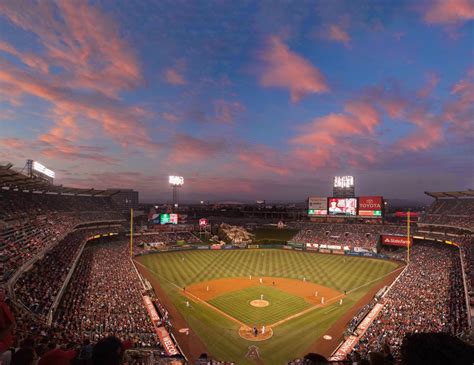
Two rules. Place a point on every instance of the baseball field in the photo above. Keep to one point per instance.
(297, 301)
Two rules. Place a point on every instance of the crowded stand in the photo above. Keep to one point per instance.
(89, 306)
(428, 297)
(355, 235)
(29, 223)
(167, 238)
(42, 235)
(453, 212)
(72, 295)
(21, 241)
(38, 287)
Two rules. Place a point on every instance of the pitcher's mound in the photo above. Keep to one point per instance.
(259, 303)
(246, 333)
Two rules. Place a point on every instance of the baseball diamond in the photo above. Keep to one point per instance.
(303, 291)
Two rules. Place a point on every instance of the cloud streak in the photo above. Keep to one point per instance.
(339, 34)
(286, 69)
(93, 65)
(175, 75)
(449, 11)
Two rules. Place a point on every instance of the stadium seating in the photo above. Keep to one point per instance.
(451, 212)
(168, 238)
(355, 235)
(104, 295)
(103, 298)
(37, 288)
(428, 297)
(42, 238)
(29, 223)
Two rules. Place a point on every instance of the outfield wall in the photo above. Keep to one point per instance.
(294, 246)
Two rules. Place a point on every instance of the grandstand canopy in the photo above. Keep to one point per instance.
(16, 180)
(451, 194)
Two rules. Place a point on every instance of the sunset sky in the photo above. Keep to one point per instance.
(245, 99)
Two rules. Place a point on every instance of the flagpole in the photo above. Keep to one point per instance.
(408, 236)
(131, 232)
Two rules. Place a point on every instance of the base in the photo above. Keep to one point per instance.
(246, 333)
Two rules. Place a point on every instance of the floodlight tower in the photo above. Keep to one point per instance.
(176, 182)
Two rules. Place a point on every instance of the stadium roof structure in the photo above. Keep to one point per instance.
(16, 180)
(451, 194)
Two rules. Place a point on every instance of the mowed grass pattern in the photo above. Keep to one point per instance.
(338, 272)
(282, 305)
(175, 270)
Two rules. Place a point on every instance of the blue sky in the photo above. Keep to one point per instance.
(246, 100)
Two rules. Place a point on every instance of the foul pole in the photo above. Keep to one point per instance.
(408, 237)
(131, 232)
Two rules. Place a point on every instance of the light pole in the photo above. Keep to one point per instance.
(176, 182)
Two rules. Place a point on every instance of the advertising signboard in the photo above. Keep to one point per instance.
(399, 241)
(317, 205)
(168, 218)
(370, 206)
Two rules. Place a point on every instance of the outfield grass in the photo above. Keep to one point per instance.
(175, 270)
(282, 305)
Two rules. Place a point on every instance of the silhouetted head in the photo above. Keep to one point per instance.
(108, 351)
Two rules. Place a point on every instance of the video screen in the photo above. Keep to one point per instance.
(342, 206)
(168, 219)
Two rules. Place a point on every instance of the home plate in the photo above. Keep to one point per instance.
(327, 337)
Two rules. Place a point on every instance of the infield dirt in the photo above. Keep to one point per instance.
(310, 292)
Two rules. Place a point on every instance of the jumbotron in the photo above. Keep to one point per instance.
(91, 276)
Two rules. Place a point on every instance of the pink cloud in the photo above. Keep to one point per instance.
(226, 111)
(393, 104)
(191, 150)
(407, 108)
(337, 139)
(54, 147)
(170, 117)
(28, 59)
(449, 11)
(287, 69)
(421, 139)
(263, 159)
(84, 44)
(94, 65)
(117, 120)
(431, 83)
(428, 131)
(106, 179)
(59, 143)
(223, 185)
(14, 143)
(175, 75)
(459, 111)
(360, 118)
(10, 94)
(339, 34)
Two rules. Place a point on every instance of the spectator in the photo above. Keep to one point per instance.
(428, 297)
(435, 349)
(57, 356)
(7, 323)
(108, 351)
(24, 356)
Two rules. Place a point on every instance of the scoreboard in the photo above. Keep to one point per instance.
(361, 207)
